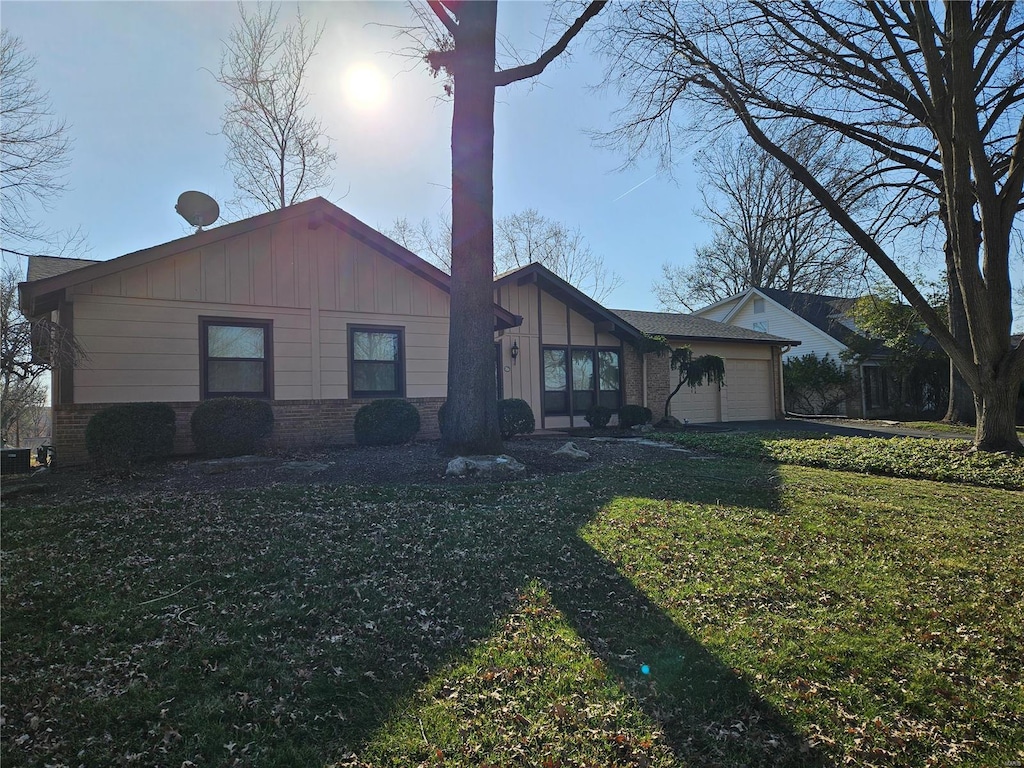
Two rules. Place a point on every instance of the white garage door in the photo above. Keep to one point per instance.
(699, 406)
(748, 385)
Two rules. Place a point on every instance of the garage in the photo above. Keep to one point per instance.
(748, 390)
(698, 406)
(752, 369)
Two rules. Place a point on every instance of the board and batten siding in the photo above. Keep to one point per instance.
(140, 327)
(547, 322)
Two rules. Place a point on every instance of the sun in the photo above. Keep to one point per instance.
(365, 86)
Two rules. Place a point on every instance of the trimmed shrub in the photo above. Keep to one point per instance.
(442, 416)
(386, 422)
(231, 426)
(126, 435)
(634, 415)
(515, 417)
(598, 416)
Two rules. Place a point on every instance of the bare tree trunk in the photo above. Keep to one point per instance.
(471, 385)
(961, 398)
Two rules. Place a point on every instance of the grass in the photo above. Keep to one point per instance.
(697, 613)
(944, 460)
(953, 429)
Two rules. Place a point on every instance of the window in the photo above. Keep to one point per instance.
(582, 380)
(376, 362)
(608, 379)
(593, 375)
(556, 387)
(761, 325)
(758, 306)
(236, 357)
(876, 390)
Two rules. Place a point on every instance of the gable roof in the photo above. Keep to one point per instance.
(40, 294)
(826, 313)
(693, 328)
(604, 319)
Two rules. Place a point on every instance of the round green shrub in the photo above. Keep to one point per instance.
(231, 426)
(386, 422)
(129, 434)
(442, 416)
(515, 418)
(634, 415)
(598, 416)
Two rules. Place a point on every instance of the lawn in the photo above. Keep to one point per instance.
(688, 613)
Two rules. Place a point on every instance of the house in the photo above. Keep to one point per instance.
(823, 327)
(319, 313)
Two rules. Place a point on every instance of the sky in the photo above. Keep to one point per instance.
(134, 81)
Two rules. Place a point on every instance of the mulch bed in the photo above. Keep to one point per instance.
(417, 463)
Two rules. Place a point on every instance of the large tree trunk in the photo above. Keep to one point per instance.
(471, 426)
(961, 398)
(997, 408)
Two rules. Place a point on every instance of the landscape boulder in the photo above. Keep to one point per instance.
(573, 452)
(469, 466)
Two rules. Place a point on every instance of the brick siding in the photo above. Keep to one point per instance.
(297, 424)
(657, 379)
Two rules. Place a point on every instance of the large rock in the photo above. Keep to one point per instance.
(469, 466)
(573, 452)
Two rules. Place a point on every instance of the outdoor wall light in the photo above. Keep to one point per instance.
(514, 351)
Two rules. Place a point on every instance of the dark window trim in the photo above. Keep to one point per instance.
(399, 374)
(268, 355)
(569, 349)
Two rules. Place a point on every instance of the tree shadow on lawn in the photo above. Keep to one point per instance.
(317, 613)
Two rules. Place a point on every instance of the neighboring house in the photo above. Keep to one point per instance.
(821, 324)
(319, 313)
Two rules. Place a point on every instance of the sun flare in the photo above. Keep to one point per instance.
(365, 86)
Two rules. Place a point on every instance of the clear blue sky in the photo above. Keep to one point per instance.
(134, 81)
(131, 78)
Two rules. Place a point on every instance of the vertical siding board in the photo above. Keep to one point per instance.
(302, 242)
(214, 274)
(136, 283)
(282, 254)
(327, 268)
(262, 267)
(162, 279)
(189, 275)
(365, 283)
(344, 248)
(236, 256)
(384, 283)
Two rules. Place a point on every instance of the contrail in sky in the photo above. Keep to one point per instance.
(634, 189)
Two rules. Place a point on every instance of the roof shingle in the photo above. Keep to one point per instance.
(674, 325)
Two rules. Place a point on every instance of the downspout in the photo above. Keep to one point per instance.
(782, 380)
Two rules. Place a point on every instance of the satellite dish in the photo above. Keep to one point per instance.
(197, 209)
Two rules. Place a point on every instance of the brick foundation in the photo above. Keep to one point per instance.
(297, 424)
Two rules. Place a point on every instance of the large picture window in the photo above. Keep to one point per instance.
(377, 361)
(556, 383)
(236, 357)
(582, 376)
